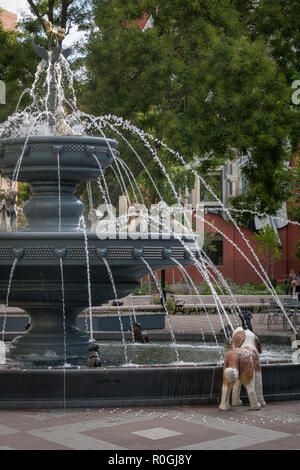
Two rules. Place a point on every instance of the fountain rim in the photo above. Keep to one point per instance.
(59, 139)
(82, 388)
(93, 236)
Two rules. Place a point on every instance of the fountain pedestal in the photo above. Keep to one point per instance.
(48, 337)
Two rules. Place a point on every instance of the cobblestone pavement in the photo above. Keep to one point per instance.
(185, 428)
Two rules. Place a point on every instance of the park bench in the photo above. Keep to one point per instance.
(186, 304)
(138, 303)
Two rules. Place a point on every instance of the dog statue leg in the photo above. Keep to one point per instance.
(259, 388)
(236, 394)
(225, 400)
(250, 387)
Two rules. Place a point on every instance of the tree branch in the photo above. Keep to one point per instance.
(50, 10)
(64, 12)
(36, 11)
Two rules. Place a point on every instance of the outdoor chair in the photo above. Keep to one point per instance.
(293, 309)
(263, 310)
(273, 314)
(186, 304)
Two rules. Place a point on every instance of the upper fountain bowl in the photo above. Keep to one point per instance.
(36, 158)
(53, 166)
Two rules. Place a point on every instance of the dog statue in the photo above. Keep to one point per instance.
(93, 355)
(53, 32)
(242, 367)
(139, 336)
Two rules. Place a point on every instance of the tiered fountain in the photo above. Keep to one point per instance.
(54, 271)
(53, 165)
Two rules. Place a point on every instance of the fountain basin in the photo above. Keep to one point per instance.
(81, 388)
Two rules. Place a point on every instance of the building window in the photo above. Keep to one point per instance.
(213, 247)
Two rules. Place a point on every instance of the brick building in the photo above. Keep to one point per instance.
(8, 20)
(227, 182)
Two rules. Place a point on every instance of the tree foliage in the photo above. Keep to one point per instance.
(202, 80)
(211, 78)
(267, 244)
(17, 67)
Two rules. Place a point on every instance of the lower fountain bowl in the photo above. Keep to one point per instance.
(53, 306)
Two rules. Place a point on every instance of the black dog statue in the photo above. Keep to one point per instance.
(139, 336)
(93, 355)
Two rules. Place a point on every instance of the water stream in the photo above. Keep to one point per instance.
(119, 313)
(87, 255)
(63, 311)
(7, 297)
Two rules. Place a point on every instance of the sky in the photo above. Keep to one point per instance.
(15, 6)
(20, 6)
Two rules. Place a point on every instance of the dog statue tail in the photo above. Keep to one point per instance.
(231, 368)
(231, 375)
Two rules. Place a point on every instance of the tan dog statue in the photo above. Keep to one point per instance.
(53, 32)
(242, 367)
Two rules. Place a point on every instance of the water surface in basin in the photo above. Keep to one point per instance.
(163, 353)
(158, 353)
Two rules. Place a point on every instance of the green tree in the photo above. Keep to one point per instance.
(199, 81)
(267, 244)
(277, 21)
(18, 62)
(17, 67)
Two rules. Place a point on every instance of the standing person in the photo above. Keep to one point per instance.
(291, 277)
(294, 293)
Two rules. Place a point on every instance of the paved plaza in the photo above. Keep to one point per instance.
(196, 323)
(184, 428)
(174, 428)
